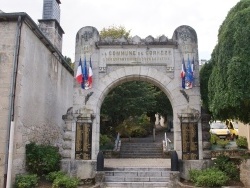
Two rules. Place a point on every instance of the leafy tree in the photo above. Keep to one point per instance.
(68, 60)
(229, 83)
(115, 32)
(205, 73)
(129, 99)
(135, 126)
(163, 105)
(132, 99)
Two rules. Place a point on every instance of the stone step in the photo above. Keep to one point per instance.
(148, 155)
(142, 144)
(142, 156)
(137, 184)
(137, 177)
(134, 173)
(164, 170)
(141, 148)
(154, 150)
(141, 151)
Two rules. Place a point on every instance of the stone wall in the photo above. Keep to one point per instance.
(244, 172)
(44, 92)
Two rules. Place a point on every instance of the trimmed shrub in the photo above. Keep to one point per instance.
(53, 175)
(214, 139)
(225, 164)
(135, 126)
(241, 142)
(210, 177)
(106, 142)
(26, 181)
(42, 159)
(223, 143)
(221, 161)
(60, 179)
(193, 174)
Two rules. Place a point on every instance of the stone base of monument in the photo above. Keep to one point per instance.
(82, 169)
(186, 165)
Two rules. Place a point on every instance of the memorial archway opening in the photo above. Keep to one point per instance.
(134, 109)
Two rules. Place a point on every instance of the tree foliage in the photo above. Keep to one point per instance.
(129, 99)
(205, 73)
(115, 32)
(229, 83)
(133, 99)
(163, 105)
(68, 60)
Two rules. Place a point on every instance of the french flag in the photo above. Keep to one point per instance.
(183, 74)
(90, 76)
(79, 75)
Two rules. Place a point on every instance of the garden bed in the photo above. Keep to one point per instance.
(228, 152)
(189, 184)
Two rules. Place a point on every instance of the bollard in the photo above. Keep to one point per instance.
(174, 161)
(100, 161)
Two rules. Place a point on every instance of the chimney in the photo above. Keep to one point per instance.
(50, 24)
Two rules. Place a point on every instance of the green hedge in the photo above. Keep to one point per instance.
(210, 177)
(60, 179)
(26, 181)
(42, 159)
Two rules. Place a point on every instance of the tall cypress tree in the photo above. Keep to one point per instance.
(229, 83)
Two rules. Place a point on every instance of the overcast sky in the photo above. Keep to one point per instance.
(142, 17)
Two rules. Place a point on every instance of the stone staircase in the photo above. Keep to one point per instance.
(141, 164)
(137, 177)
(141, 150)
(143, 147)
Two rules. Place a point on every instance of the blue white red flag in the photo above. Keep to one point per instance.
(85, 71)
(88, 83)
(192, 66)
(189, 76)
(85, 74)
(90, 75)
(79, 75)
(183, 73)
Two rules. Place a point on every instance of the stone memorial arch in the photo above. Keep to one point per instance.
(158, 61)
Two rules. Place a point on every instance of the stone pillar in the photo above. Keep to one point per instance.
(71, 164)
(206, 145)
(191, 140)
(244, 172)
(68, 136)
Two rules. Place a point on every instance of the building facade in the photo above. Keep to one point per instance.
(36, 89)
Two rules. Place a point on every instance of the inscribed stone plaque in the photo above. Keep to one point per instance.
(152, 56)
(83, 141)
(189, 133)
